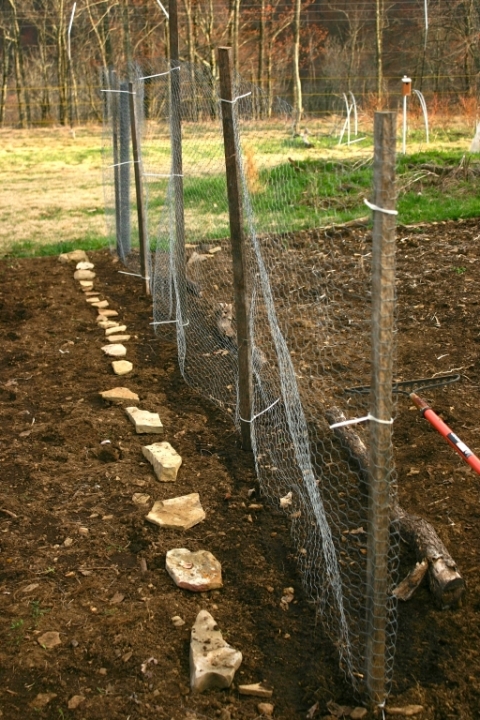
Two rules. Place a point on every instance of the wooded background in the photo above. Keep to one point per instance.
(308, 51)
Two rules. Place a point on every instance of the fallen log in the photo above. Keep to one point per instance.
(445, 581)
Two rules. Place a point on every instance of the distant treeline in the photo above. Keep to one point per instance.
(308, 51)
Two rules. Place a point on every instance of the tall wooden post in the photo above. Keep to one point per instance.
(113, 86)
(381, 462)
(137, 165)
(177, 157)
(237, 235)
(124, 172)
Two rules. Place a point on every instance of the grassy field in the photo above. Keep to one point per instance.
(56, 186)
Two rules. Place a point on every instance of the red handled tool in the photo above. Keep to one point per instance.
(406, 387)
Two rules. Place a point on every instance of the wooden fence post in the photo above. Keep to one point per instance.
(177, 157)
(237, 235)
(381, 461)
(113, 86)
(124, 235)
(137, 165)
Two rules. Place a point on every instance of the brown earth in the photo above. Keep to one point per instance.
(106, 591)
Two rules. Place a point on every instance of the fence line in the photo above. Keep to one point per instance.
(309, 325)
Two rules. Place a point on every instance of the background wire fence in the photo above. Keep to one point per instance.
(309, 286)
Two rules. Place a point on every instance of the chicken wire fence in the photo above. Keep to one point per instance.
(309, 293)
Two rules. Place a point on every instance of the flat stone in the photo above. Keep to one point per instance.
(118, 329)
(49, 639)
(93, 299)
(213, 662)
(144, 421)
(181, 512)
(73, 256)
(164, 459)
(255, 690)
(85, 265)
(107, 313)
(102, 303)
(118, 338)
(117, 350)
(86, 284)
(358, 713)
(103, 321)
(122, 367)
(75, 701)
(196, 571)
(118, 394)
(84, 275)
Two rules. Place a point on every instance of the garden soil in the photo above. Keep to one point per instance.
(78, 558)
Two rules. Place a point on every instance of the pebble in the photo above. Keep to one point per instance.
(177, 621)
(122, 367)
(49, 639)
(117, 350)
(266, 709)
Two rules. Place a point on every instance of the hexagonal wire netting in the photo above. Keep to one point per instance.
(310, 315)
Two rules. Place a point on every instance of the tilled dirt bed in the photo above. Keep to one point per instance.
(77, 556)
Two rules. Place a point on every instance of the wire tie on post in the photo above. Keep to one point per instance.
(123, 272)
(148, 77)
(355, 421)
(372, 206)
(382, 708)
(231, 103)
(119, 91)
(261, 412)
(127, 162)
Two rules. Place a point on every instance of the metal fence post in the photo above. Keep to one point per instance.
(237, 235)
(381, 460)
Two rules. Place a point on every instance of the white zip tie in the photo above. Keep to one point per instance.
(127, 162)
(261, 412)
(166, 322)
(355, 421)
(379, 209)
(162, 8)
(231, 102)
(148, 77)
(122, 272)
(120, 91)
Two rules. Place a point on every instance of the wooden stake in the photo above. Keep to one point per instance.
(237, 235)
(381, 461)
(124, 171)
(137, 165)
(177, 157)
(113, 84)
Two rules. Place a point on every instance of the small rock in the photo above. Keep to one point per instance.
(49, 639)
(117, 350)
(83, 531)
(115, 329)
(286, 501)
(107, 313)
(105, 323)
(122, 367)
(118, 394)
(117, 598)
(256, 690)
(213, 662)
(358, 713)
(86, 285)
(266, 709)
(406, 710)
(68, 542)
(164, 459)
(85, 265)
(196, 571)
(287, 597)
(119, 338)
(180, 512)
(144, 421)
(75, 701)
(177, 621)
(93, 299)
(101, 304)
(140, 498)
(84, 275)
(42, 699)
(73, 256)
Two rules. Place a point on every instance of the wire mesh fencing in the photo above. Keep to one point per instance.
(308, 296)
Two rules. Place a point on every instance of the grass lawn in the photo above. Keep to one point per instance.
(56, 186)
